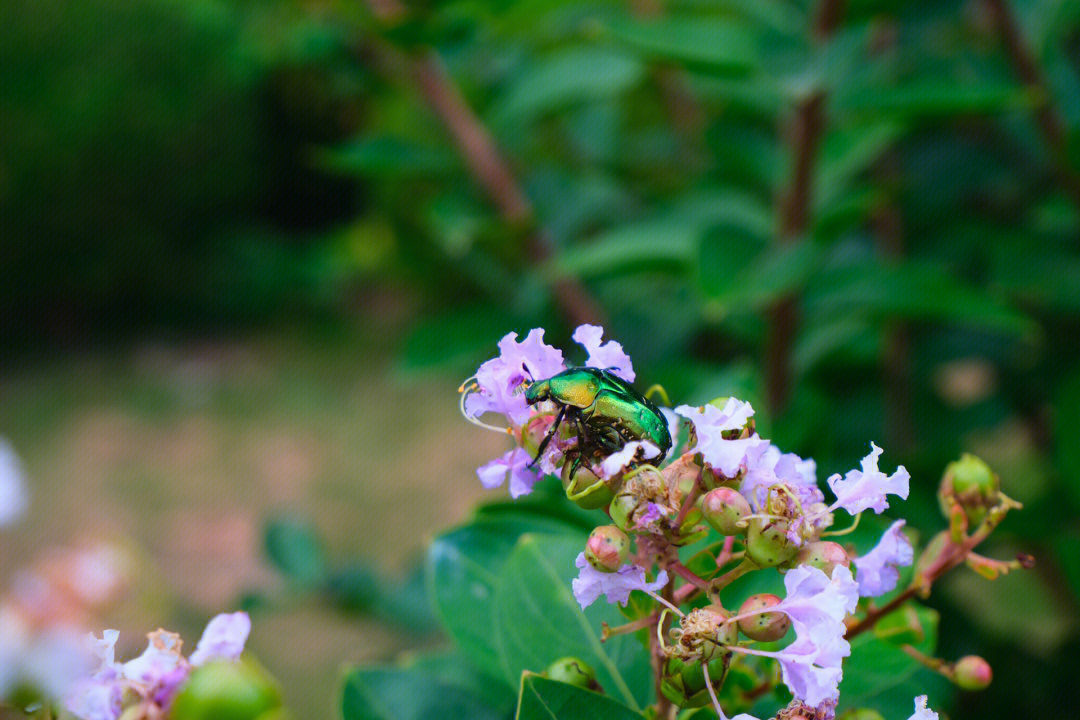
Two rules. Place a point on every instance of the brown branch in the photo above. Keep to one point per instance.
(486, 163)
(1047, 116)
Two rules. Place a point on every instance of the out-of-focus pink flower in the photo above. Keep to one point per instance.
(223, 638)
(13, 495)
(617, 586)
(876, 571)
(868, 487)
(605, 356)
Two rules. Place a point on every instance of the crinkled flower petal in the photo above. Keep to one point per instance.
(13, 494)
(515, 464)
(605, 356)
(653, 513)
(673, 422)
(809, 682)
(727, 456)
(617, 586)
(867, 488)
(877, 571)
(105, 648)
(499, 380)
(616, 462)
(766, 467)
(921, 711)
(95, 700)
(223, 638)
(160, 658)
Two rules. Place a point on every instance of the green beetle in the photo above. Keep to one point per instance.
(606, 411)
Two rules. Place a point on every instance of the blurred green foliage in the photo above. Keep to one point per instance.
(867, 223)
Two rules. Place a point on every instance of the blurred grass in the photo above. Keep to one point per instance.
(185, 449)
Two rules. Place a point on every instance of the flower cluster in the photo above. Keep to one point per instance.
(154, 678)
(765, 504)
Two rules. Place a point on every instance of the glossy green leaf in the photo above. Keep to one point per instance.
(537, 620)
(880, 675)
(296, 550)
(543, 699)
(464, 568)
(708, 44)
(409, 694)
(563, 78)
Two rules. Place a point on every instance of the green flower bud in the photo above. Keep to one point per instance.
(724, 508)
(972, 673)
(767, 543)
(622, 509)
(607, 548)
(683, 682)
(226, 690)
(970, 482)
(766, 626)
(587, 489)
(573, 671)
(823, 554)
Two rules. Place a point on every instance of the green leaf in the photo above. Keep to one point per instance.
(296, 550)
(880, 675)
(385, 156)
(409, 694)
(937, 97)
(543, 699)
(911, 290)
(1067, 449)
(537, 620)
(464, 566)
(714, 45)
(459, 339)
(564, 78)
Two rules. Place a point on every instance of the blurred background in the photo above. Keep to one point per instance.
(250, 249)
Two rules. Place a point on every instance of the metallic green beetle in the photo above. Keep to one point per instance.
(605, 409)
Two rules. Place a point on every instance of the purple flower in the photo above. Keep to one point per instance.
(766, 466)
(13, 495)
(867, 488)
(877, 570)
(499, 380)
(93, 699)
(921, 711)
(812, 672)
(591, 583)
(727, 456)
(161, 657)
(616, 462)
(607, 356)
(653, 513)
(673, 429)
(514, 463)
(223, 638)
(104, 649)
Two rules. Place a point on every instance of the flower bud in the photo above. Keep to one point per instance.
(972, 673)
(622, 510)
(225, 690)
(572, 671)
(825, 555)
(765, 626)
(724, 508)
(585, 488)
(683, 682)
(607, 548)
(970, 482)
(767, 543)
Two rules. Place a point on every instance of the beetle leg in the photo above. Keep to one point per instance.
(547, 438)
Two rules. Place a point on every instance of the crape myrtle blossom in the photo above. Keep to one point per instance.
(13, 495)
(868, 487)
(605, 356)
(921, 711)
(499, 380)
(817, 605)
(617, 461)
(767, 466)
(653, 513)
(156, 675)
(617, 586)
(710, 422)
(515, 464)
(877, 571)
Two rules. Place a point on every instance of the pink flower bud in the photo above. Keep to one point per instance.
(607, 548)
(972, 673)
(765, 626)
(724, 508)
